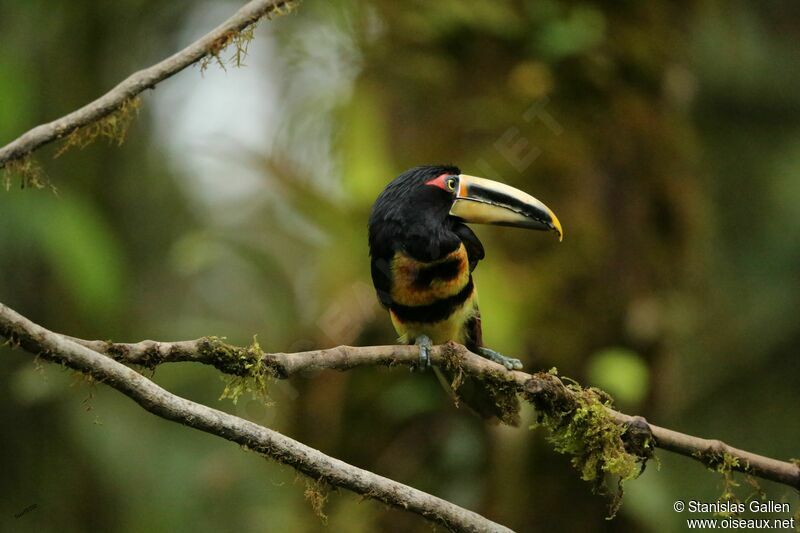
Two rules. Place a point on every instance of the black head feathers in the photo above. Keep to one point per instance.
(410, 213)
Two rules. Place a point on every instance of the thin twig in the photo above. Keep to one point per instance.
(313, 463)
(136, 83)
(214, 352)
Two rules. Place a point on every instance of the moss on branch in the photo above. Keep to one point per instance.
(316, 493)
(581, 426)
(27, 170)
(114, 127)
(240, 40)
(247, 369)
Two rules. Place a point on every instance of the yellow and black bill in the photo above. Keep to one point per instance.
(483, 201)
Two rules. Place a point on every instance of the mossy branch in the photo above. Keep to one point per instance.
(581, 425)
(108, 116)
(326, 471)
(603, 442)
(557, 402)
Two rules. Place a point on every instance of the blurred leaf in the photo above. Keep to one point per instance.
(365, 153)
(15, 101)
(432, 20)
(620, 372)
(581, 29)
(84, 254)
(77, 244)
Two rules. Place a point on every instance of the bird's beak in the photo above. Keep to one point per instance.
(483, 201)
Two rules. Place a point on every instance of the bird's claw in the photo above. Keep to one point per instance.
(509, 362)
(424, 342)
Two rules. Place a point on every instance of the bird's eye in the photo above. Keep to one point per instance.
(451, 184)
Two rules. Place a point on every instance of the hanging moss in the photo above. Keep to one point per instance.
(27, 170)
(453, 360)
(726, 467)
(317, 495)
(503, 391)
(240, 40)
(726, 464)
(247, 369)
(113, 127)
(581, 426)
(757, 491)
(500, 385)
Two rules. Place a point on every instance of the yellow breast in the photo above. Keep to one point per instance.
(442, 331)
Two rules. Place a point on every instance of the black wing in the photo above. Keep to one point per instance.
(471, 242)
(475, 253)
(381, 279)
(474, 332)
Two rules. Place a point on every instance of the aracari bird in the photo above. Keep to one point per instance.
(423, 255)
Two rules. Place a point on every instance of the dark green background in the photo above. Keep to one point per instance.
(670, 150)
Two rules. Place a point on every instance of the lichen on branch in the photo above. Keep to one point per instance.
(60, 349)
(240, 40)
(581, 426)
(316, 493)
(113, 127)
(29, 172)
(252, 373)
(109, 115)
(545, 389)
(725, 464)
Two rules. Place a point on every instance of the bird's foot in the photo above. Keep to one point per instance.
(424, 342)
(508, 362)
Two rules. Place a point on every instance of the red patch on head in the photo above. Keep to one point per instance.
(439, 181)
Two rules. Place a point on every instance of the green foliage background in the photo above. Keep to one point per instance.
(666, 135)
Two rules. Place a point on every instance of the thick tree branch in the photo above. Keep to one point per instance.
(208, 45)
(232, 360)
(313, 463)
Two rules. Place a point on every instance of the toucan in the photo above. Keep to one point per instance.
(423, 255)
